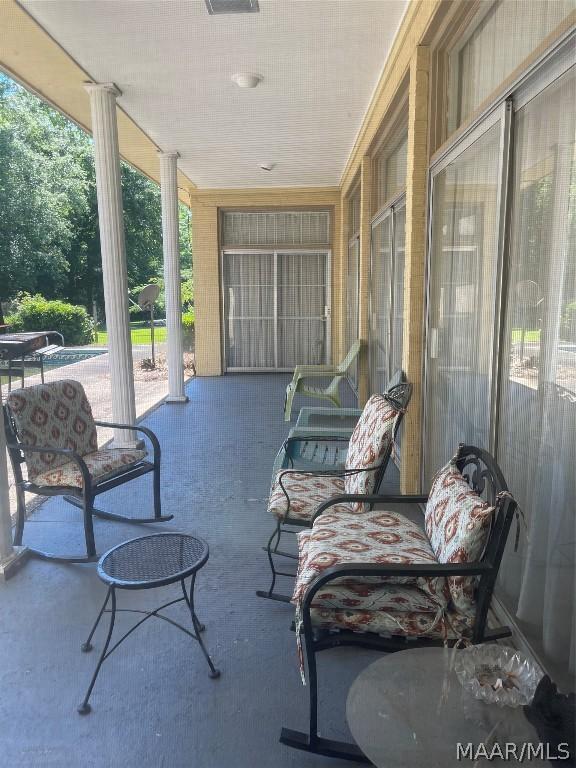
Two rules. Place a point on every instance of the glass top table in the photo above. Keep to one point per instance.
(408, 709)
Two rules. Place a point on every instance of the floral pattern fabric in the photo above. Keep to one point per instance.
(306, 493)
(458, 524)
(369, 442)
(101, 465)
(56, 414)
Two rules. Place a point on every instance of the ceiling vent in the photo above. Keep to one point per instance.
(232, 6)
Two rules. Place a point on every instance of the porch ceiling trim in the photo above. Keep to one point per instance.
(37, 61)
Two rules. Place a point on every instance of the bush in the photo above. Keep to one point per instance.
(188, 321)
(35, 313)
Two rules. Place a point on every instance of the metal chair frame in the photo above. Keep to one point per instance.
(80, 497)
(484, 476)
(398, 396)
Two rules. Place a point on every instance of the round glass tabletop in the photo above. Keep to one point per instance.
(409, 709)
(155, 560)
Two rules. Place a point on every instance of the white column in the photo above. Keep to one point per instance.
(9, 555)
(171, 247)
(113, 249)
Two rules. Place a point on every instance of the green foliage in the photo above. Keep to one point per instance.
(35, 313)
(49, 238)
(188, 321)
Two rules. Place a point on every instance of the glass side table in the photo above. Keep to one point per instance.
(408, 709)
(144, 563)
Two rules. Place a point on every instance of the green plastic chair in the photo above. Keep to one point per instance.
(303, 372)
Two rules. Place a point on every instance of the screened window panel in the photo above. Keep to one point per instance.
(352, 288)
(462, 299)
(302, 300)
(537, 424)
(397, 330)
(354, 214)
(501, 39)
(248, 228)
(381, 303)
(391, 171)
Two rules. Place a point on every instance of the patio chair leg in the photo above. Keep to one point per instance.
(119, 518)
(88, 506)
(311, 741)
(289, 397)
(271, 550)
(20, 516)
(85, 708)
(156, 491)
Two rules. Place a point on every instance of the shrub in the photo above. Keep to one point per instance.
(35, 313)
(188, 321)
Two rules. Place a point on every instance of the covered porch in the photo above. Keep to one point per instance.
(218, 453)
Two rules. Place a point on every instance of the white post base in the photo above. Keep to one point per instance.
(13, 562)
(176, 399)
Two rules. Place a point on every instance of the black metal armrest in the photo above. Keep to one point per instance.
(86, 477)
(373, 498)
(148, 432)
(421, 570)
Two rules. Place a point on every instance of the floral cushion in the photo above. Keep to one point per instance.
(55, 414)
(458, 523)
(101, 465)
(305, 494)
(375, 537)
(368, 444)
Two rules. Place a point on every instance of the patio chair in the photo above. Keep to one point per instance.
(50, 429)
(296, 493)
(380, 581)
(302, 372)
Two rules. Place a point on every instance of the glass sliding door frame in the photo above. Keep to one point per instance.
(273, 254)
(500, 115)
(390, 211)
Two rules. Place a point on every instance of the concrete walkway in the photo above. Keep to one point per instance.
(154, 705)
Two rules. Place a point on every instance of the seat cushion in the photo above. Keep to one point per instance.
(101, 464)
(371, 439)
(376, 537)
(56, 414)
(305, 494)
(458, 524)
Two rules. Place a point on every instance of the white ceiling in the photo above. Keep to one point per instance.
(320, 60)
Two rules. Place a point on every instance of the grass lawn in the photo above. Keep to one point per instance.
(529, 335)
(139, 333)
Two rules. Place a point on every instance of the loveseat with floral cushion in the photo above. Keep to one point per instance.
(51, 431)
(375, 578)
(295, 495)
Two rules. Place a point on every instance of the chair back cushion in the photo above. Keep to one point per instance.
(458, 525)
(371, 439)
(56, 414)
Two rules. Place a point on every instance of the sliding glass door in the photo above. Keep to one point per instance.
(462, 299)
(386, 295)
(276, 309)
(537, 424)
(352, 306)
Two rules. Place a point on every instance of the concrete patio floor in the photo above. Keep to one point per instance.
(154, 705)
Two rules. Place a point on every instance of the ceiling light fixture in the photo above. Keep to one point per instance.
(232, 6)
(246, 79)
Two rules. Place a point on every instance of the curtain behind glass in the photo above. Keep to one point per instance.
(537, 425)
(503, 38)
(463, 263)
(352, 287)
(397, 330)
(381, 286)
(302, 299)
(249, 310)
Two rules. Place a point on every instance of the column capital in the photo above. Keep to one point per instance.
(109, 87)
(168, 153)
